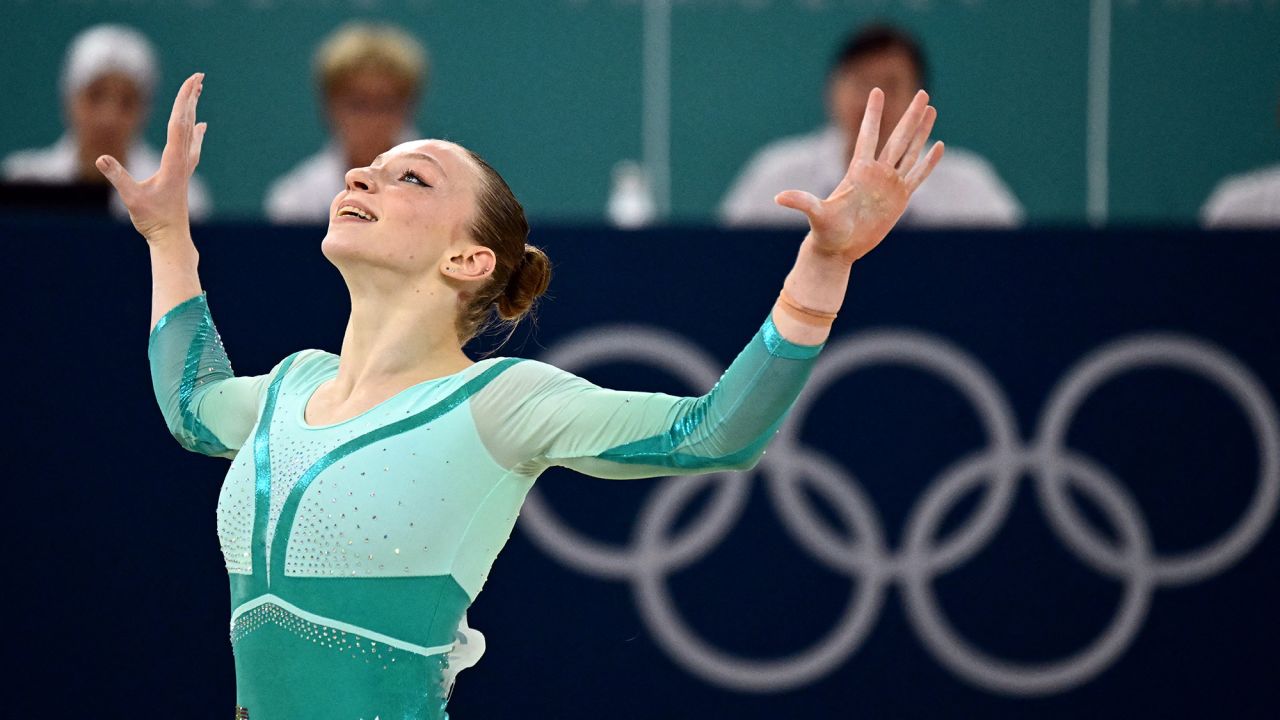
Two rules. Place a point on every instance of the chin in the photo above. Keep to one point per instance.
(340, 248)
(358, 251)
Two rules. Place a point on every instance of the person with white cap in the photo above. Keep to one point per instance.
(107, 80)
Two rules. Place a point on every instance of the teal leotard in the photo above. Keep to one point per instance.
(354, 549)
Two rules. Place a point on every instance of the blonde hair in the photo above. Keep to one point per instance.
(361, 46)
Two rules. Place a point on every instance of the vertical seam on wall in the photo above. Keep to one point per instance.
(1097, 124)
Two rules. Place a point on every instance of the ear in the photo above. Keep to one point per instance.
(473, 264)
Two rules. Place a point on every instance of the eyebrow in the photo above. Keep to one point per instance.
(419, 156)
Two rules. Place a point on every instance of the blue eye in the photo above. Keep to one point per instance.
(414, 178)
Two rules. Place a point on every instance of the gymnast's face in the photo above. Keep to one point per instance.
(409, 212)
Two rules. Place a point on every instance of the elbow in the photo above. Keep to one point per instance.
(745, 459)
(749, 462)
(194, 436)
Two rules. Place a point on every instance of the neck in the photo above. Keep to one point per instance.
(399, 334)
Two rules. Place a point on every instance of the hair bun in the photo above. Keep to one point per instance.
(528, 281)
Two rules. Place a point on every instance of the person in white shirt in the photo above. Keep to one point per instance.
(1249, 200)
(370, 78)
(963, 191)
(107, 81)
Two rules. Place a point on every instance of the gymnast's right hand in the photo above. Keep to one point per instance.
(158, 205)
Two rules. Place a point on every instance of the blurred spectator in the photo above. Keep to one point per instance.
(964, 189)
(108, 78)
(1249, 200)
(370, 78)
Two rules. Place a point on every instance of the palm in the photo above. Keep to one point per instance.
(874, 192)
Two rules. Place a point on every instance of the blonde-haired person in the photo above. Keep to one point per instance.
(107, 80)
(369, 78)
(369, 492)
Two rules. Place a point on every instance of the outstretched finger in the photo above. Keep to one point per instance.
(181, 122)
(869, 134)
(799, 200)
(917, 142)
(906, 129)
(115, 173)
(196, 143)
(921, 171)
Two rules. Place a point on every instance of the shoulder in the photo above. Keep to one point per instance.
(306, 363)
(46, 164)
(964, 164)
(1251, 198)
(797, 150)
(964, 190)
(532, 373)
(523, 379)
(313, 357)
(811, 162)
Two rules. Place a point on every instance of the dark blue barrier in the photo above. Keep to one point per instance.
(1132, 571)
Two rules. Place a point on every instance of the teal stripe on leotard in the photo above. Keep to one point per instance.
(217, 367)
(262, 473)
(279, 543)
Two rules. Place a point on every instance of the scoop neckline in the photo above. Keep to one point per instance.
(301, 413)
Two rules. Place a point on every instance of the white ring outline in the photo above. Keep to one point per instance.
(647, 557)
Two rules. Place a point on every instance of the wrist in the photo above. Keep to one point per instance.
(818, 280)
(176, 248)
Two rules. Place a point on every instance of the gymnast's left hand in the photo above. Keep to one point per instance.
(874, 192)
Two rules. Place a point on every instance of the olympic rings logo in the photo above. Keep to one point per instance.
(653, 552)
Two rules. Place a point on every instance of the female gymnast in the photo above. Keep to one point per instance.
(369, 492)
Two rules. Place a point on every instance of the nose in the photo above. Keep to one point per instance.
(360, 178)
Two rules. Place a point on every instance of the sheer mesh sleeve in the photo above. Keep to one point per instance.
(208, 409)
(540, 415)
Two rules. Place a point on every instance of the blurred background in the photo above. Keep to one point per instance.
(1178, 94)
(1036, 475)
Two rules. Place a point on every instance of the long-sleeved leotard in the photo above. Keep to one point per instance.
(354, 549)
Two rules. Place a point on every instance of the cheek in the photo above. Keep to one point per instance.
(894, 114)
(385, 126)
(344, 122)
(847, 106)
(131, 116)
(80, 113)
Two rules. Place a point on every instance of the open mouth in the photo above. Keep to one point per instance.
(356, 212)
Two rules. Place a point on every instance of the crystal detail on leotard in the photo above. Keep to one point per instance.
(235, 517)
(356, 646)
(291, 455)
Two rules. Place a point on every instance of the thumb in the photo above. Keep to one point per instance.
(120, 178)
(799, 200)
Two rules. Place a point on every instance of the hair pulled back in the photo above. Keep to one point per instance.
(522, 271)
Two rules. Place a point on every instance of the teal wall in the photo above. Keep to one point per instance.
(550, 91)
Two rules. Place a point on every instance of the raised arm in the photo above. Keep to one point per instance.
(206, 407)
(542, 415)
(158, 205)
(561, 419)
